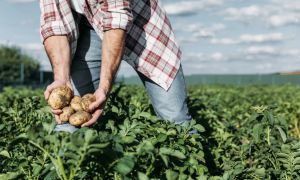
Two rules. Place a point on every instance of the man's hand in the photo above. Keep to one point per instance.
(58, 51)
(97, 107)
(112, 53)
(48, 91)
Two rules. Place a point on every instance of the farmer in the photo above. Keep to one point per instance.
(86, 40)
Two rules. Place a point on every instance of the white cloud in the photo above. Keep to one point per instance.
(284, 19)
(244, 13)
(201, 57)
(190, 6)
(261, 50)
(198, 31)
(224, 41)
(251, 38)
(275, 13)
(254, 59)
(293, 52)
(218, 56)
(288, 4)
(208, 32)
(262, 38)
(254, 52)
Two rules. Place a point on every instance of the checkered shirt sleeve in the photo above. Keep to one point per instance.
(116, 14)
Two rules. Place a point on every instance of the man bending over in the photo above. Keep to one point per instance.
(86, 40)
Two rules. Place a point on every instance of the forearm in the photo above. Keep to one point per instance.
(58, 51)
(112, 52)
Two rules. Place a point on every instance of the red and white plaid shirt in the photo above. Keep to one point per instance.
(150, 45)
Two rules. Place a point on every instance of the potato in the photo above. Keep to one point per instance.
(76, 103)
(79, 118)
(66, 114)
(86, 101)
(60, 97)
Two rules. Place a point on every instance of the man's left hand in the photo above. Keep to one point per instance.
(96, 107)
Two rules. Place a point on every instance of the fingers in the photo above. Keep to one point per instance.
(47, 93)
(54, 85)
(49, 90)
(97, 104)
(94, 105)
(58, 121)
(94, 119)
(56, 111)
(70, 86)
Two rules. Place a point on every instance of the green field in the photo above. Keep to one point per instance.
(245, 132)
(232, 79)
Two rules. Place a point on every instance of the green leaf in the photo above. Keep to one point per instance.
(296, 146)
(145, 115)
(142, 176)
(171, 175)
(282, 133)
(199, 128)
(128, 139)
(283, 155)
(260, 172)
(171, 132)
(71, 155)
(2, 126)
(125, 165)
(89, 135)
(162, 137)
(270, 118)
(297, 154)
(297, 160)
(115, 109)
(171, 152)
(161, 130)
(36, 169)
(9, 175)
(93, 150)
(145, 147)
(100, 145)
(257, 131)
(165, 159)
(5, 153)
(283, 160)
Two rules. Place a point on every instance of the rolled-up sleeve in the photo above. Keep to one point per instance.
(51, 23)
(116, 14)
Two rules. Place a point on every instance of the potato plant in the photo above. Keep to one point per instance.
(243, 133)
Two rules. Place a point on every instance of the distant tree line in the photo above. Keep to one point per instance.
(16, 67)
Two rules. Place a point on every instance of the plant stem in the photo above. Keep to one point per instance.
(54, 161)
(268, 135)
(297, 128)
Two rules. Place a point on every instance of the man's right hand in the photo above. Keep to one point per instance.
(48, 91)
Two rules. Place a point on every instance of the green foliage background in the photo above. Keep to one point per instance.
(249, 132)
(10, 64)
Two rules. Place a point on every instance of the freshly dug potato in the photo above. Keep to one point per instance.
(79, 118)
(76, 103)
(60, 97)
(86, 100)
(66, 114)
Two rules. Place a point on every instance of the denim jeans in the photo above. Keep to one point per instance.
(85, 74)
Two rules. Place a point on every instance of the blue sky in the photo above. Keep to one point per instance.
(216, 36)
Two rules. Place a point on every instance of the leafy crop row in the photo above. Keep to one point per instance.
(244, 133)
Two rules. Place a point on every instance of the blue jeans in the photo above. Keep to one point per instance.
(85, 74)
